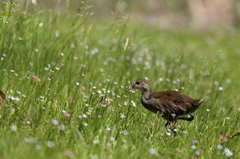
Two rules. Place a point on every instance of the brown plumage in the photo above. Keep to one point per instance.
(171, 105)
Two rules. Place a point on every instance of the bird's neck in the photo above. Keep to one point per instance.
(145, 99)
(146, 93)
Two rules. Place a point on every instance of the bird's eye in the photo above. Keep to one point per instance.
(137, 83)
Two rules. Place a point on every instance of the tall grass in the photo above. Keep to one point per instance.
(66, 78)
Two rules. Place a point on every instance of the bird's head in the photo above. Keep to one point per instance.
(141, 84)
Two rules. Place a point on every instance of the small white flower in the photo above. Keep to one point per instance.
(219, 146)
(54, 121)
(57, 35)
(132, 91)
(50, 144)
(125, 132)
(168, 133)
(152, 151)
(228, 118)
(184, 132)
(162, 134)
(30, 140)
(193, 146)
(94, 157)
(38, 147)
(207, 110)
(220, 88)
(13, 127)
(103, 105)
(123, 140)
(96, 141)
(34, 2)
(122, 116)
(112, 139)
(85, 124)
(228, 80)
(228, 152)
(62, 127)
(197, 153)
(173, 115)
(133, 104)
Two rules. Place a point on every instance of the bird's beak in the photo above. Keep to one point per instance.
(131, 87)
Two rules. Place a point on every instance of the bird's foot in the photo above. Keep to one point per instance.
(170, 126)
(188, 118)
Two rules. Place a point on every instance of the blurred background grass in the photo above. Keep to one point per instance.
(167, 14)
(66, 66)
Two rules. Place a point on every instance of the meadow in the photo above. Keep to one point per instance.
(66, 78)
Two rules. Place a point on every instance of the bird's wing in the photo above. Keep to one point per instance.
(172, 100)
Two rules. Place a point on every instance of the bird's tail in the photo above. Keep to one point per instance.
(200, 101)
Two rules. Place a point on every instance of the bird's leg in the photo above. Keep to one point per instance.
(167, 124)
(170, 126)
(188, 118)
(170, 123)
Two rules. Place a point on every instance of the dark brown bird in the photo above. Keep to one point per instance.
(171, 105)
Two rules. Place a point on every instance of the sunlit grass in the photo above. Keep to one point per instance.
(66, 79)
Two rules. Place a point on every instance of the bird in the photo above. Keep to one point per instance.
(170, 105)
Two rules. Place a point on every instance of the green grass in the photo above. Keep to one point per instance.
(71, 75)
